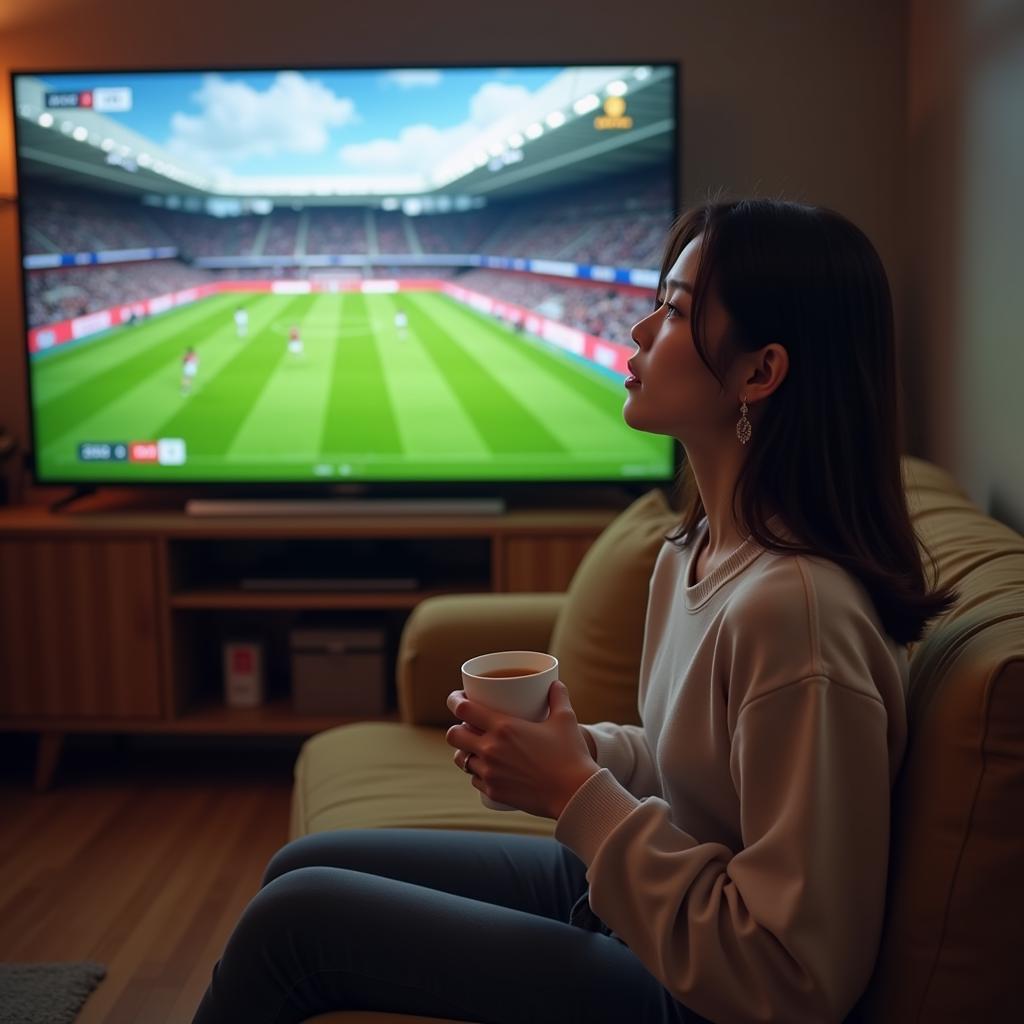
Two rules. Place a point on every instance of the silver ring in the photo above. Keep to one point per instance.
(465, 765)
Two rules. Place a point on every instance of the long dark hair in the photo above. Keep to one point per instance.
(825, 454)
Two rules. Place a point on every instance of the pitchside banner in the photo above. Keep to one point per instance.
(47, 260)
(608, 354)
(42, 338)
(636, 277)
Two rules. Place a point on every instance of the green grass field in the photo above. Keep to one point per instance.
(460, 397)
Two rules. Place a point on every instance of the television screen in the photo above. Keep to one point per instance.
(364, 275)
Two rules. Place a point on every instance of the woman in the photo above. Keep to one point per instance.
(736, 843)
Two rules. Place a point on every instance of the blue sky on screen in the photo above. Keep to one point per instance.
(316, 121)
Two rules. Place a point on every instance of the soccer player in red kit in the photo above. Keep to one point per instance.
(189, 369)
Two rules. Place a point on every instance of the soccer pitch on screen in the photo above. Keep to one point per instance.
(455, 395)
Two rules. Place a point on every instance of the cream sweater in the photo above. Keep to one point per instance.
(738, 840)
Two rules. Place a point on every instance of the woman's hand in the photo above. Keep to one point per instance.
(535, 766)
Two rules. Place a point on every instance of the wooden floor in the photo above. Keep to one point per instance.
(141, 859)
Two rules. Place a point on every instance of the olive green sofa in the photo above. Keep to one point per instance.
(955, 914)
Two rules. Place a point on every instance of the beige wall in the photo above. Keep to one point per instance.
(990, 453)
(965, 285)
(800, 98)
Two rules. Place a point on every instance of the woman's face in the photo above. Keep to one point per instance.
(678, 395)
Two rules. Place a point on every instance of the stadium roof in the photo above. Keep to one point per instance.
(584, 125)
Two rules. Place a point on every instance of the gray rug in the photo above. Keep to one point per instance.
(46, 993)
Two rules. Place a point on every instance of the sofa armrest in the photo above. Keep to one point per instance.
(444, 631)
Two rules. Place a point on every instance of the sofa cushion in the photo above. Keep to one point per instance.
(391, 775)
(599, 632)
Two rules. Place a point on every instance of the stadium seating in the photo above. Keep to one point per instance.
(65, 221)
(66, 292)
(336, 230)
(392, 237)
(197, 234)
(280, 235)
(607, 223)
(457, 232)
(593, 225)
(606, 312)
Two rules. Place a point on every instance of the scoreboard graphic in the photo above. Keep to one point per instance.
(102, 99)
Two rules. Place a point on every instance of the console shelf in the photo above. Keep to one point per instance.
(309, 599)
(113, 614)
(205, 717)
(273, 718)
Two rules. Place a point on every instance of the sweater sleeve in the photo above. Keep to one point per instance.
(787, 928)
(623, 750)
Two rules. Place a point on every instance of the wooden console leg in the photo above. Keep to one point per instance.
(47, 757)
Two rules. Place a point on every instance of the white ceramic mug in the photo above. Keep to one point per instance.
(525, 696)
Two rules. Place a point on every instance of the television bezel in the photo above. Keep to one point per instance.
(511, 490)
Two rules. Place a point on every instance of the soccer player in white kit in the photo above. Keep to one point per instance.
(189, 369)
(401, 323)
(241, 321)
(294, 342)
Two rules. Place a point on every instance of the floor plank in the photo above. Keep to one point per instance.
(140, 857)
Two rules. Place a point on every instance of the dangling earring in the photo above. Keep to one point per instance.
(743, 427)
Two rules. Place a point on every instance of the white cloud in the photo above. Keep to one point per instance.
(294, 115)
(420, 147)
(416, 148)
(494, 100)
(415, 78)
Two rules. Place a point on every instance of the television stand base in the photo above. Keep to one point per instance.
(347, 507)
(81, 491)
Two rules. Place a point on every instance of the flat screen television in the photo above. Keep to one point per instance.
(415, 278)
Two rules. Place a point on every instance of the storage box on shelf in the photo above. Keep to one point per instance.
(339, 671)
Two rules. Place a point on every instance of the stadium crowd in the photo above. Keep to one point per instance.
(393, 234)
(620, 224)
(611, 222)
(59, 220)
(198, 235)
(457, 232)
(337, 230)
(283, 230)
(66, 292)
(605, 312)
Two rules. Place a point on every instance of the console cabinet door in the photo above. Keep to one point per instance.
(78, 629)
(542, 563)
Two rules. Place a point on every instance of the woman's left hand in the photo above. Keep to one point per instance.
(535, 766)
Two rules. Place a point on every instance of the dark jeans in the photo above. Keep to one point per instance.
(467, 925)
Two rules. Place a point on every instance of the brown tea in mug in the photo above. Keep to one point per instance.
(508, 673)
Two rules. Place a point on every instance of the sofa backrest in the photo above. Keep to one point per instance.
(955, 910)
(599, 632)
